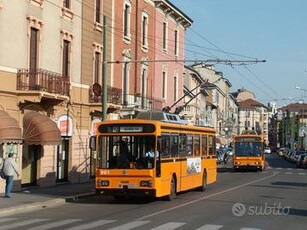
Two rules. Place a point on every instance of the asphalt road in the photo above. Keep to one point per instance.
(273, 199)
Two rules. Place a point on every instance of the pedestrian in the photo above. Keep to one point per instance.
(9, 168)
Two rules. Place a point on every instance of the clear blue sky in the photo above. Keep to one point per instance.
(271, 30)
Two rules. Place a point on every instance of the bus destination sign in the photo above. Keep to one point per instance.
(130, 129)
(248, 139)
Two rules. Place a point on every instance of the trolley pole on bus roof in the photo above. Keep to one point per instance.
(104, 72)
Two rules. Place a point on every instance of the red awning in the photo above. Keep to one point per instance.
(38, 129)
(10, 132)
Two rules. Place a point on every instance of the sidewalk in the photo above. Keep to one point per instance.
(34, 198)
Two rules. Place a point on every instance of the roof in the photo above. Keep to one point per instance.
(250, 104)
(294, 107)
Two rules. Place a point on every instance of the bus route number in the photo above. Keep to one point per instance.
(104, 172)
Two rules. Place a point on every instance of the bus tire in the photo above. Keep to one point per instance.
(203, 187)
(172, 194)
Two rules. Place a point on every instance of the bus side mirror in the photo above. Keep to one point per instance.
(93, 143)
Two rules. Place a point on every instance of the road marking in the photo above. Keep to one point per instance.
(288, 173)
(91, 225)
(6, 219)
(55, 224)
(302, 173)
(206, 197)
(130, 225)
(21, 223)
(210, 227)
(250, 228)
(169, 226)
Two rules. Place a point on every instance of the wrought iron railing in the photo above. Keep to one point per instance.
(43, 80)
(114, 96)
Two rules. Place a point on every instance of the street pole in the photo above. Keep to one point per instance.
(104, 72)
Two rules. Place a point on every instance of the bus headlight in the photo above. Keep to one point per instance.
(146, 183)
(103, 183)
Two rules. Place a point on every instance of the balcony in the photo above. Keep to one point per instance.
(114, 96)
(137, 101)
(43, 81)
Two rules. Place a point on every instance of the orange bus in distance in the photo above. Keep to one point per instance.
(248, 151)
(156, 158)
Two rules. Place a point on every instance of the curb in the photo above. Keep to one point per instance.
(43, 204)
(80, 196)
(29, 207)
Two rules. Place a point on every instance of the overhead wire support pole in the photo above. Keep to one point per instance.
(104, 72)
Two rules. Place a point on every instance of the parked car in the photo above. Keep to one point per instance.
(267, 150)
(304, 163)
(299, 162)
(296, 156)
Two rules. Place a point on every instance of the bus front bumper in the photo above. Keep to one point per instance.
(127, 192)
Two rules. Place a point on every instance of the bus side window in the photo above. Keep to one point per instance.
(196, 145)
(174, 145)
(165, 139)
(204, 145)
(182, 145)
(189, 145)
(211, 145)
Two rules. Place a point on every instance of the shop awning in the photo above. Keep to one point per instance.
(38, 129)
(10, 132)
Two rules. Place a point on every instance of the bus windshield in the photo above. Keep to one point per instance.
(125, 152)
(243, 149)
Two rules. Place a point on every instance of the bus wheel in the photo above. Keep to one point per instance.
(204, 183)
(172, 194)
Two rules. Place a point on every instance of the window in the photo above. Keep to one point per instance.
(66, 4)
(66, 58)
(211, 141)
(189, 145)
(204, 145)
(145, 31)
(144, 86)
(175, 88)
(163, 84)
(66, 53)
(164, 36)
(174, 144)
(126, 77)
(97, 66)
(66, 10)
(196, 145)
(33, 50)
(176, 43)
(127, 12)
(98, 11)
(165, 144)
(182, 144)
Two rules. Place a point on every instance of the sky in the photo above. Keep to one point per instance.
(270, 30)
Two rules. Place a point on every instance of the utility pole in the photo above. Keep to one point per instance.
(104, 72)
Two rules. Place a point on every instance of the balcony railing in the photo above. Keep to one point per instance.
(145, 103)
(114, 96)
(42, 80)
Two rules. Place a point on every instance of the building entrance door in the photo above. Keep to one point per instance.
(62, 161)
(30, 155)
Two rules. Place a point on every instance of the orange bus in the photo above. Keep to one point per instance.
(248, 151)
(182, 157)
